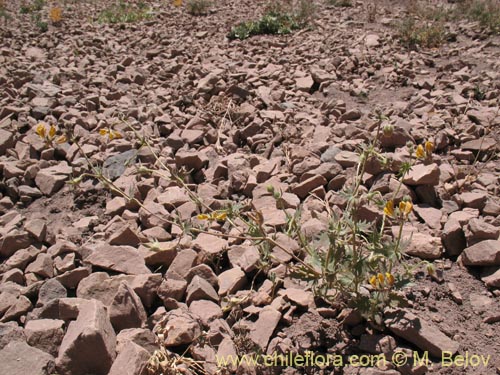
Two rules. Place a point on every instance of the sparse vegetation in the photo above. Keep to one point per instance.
(198, 7)
(340, 3)
(414, 34)
(124, 12)
(486, 12)
(35, 6)
(279, 19)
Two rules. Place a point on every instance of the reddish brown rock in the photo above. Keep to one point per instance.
(123, 259)
(419, 332)
(45, 334)
(18, 358)
(200, 289)
(422, 174)
(14, 241)
(484, 253)
(50, 180)
(126, 310)
(89, 344)
(231, 281)
(132, 360)
(262, 330)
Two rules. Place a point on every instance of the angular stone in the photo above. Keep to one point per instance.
(42, 266)
(299, 297)
(474, 199)
(453, 238)
(484, 253)
(305, 187)
(20, 306)
(132, 360)
(181, 328)
(183, 262)
(50, 180)
(89, 344)
(491, 276)
(430, 215)
(37, 228)
(13, 241)
(421, 333)
(140, 336)
(173, 197)
(10, 332)
(207, 311)
(50, 290)
(231, 281)
(6, 141)
(125, 259)
(126, 310)
(478, 230)
(424, 246)
(304, 83)
(347, 159)
(205, 272)
(173, 287)
(246, 257)
(200, 289)
(262, 330)
(209, 244)
(421, 174)
(45, 334)
(18, 358)
(114, 166)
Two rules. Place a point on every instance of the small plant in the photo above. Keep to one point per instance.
(124, 12)
(36, 18)
(198, 7)
(414, 35)
(340, 3)
(280, 18)
(269, 23)
(35, 6)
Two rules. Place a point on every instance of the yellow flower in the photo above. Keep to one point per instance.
(112, 134)
(40, 130)
(380, 278)
(52, 131)
(405, 207)
(429, 147)
(373, 281)
(420, 153)
(62, 139)
(177, 3)
(389, 208)
(203, 217)
(220, 216)
(390, 278)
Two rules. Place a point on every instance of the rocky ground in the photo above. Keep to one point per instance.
(93, 283)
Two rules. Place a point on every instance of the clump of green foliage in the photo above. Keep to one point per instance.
(124, 12)
(279, 18)
(414, 34)
(340, 3)
(269, 23)
(34, 6)
(198, 7)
